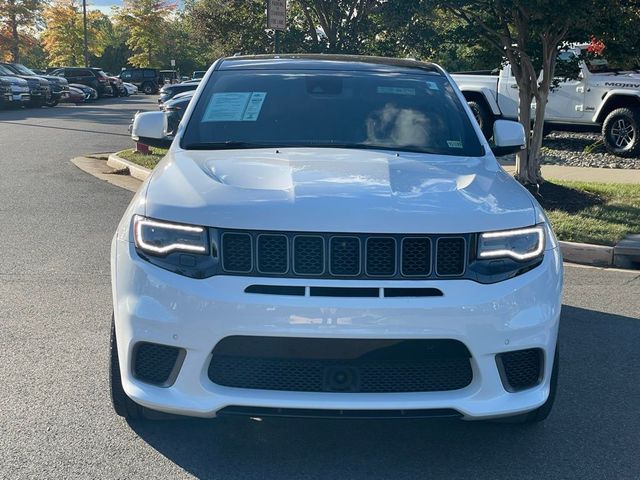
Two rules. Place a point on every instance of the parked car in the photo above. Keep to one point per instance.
(599, 96)
(59, 86)
(174, 110)
(14, 91)
(146, 79)
(169, 76)
(88, 92)
(130, 88)
(370, 258)
(198, 74)
(91, 77)
(76, 95)
(167, 92)
(117, 86)
(39, 88)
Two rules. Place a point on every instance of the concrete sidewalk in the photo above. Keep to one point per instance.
(584, 174)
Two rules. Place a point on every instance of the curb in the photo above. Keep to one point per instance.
(136, 171)
(587, 254)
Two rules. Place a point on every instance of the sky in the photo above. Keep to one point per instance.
(103, 5)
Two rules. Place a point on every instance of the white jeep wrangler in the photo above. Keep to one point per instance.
(600, 96)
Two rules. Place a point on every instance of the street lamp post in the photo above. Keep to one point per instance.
(84, 22)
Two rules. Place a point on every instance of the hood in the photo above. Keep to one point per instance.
(33, 79)
(13, 80)
(80, 86)
(337, 190)
(54, 79)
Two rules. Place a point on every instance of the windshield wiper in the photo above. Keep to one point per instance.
(228, 145)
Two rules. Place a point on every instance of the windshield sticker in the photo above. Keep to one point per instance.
(234, 107)
(397, 90)
(432, 85)
(254, 106)
(454, 144)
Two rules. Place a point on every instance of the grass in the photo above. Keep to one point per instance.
(616, 214)
(599, 213)
(148, 161)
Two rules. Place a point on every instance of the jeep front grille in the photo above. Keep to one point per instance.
(329, 255)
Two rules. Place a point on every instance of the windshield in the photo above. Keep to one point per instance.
(22, 69)
(5, 71)
(406, 112)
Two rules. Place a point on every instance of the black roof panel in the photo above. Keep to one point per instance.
(326, 62)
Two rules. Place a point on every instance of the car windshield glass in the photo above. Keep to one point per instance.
(23, 70)
(398, 111)
(5, 71)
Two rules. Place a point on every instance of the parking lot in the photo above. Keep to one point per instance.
(56, 421)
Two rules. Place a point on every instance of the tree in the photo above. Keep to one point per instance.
(529, 33)
(18, 21)
(63, 36)
(225, 27)
(146, 22)
(345, 24)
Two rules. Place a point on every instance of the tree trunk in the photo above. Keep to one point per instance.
(15, 37)
(527, 168)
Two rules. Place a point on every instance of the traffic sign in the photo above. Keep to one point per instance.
(277, 14)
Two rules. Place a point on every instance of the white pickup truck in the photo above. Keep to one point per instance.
(600, 96)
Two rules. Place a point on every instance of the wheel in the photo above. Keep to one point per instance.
(483, 116)
(52, 103)
(122, 404)
(542, 412)
(148, 88)
(621, 132)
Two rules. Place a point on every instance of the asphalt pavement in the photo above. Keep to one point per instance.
(56, 421)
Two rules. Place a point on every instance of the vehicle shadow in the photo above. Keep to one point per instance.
(93, 112)
(595, 413)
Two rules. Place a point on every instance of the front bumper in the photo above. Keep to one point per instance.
(17, 96)
(154, 305)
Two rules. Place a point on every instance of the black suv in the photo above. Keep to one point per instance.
(146, 79)
(39, 88)
(91, 77)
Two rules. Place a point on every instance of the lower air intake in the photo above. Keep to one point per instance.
(340, 365)
(520, 369)
(156, 364)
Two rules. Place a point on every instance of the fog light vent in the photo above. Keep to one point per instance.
(157, 364)
(520, 369)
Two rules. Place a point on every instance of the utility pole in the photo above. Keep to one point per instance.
(84, 22)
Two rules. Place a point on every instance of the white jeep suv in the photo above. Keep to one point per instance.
(333, 236)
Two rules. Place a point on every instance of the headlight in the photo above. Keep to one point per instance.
(521, 244)
(161, 238)
(183, 249)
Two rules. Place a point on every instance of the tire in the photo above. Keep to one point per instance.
(483, 116)
(621, 132)
(147, 88)
(122, 404)
(52, 103)
(542, 412)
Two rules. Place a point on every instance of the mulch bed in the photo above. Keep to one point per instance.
(557, 197)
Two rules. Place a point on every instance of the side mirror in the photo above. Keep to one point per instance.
(150, 128)
(508, 137)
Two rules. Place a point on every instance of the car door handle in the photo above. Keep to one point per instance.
(513, 85)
